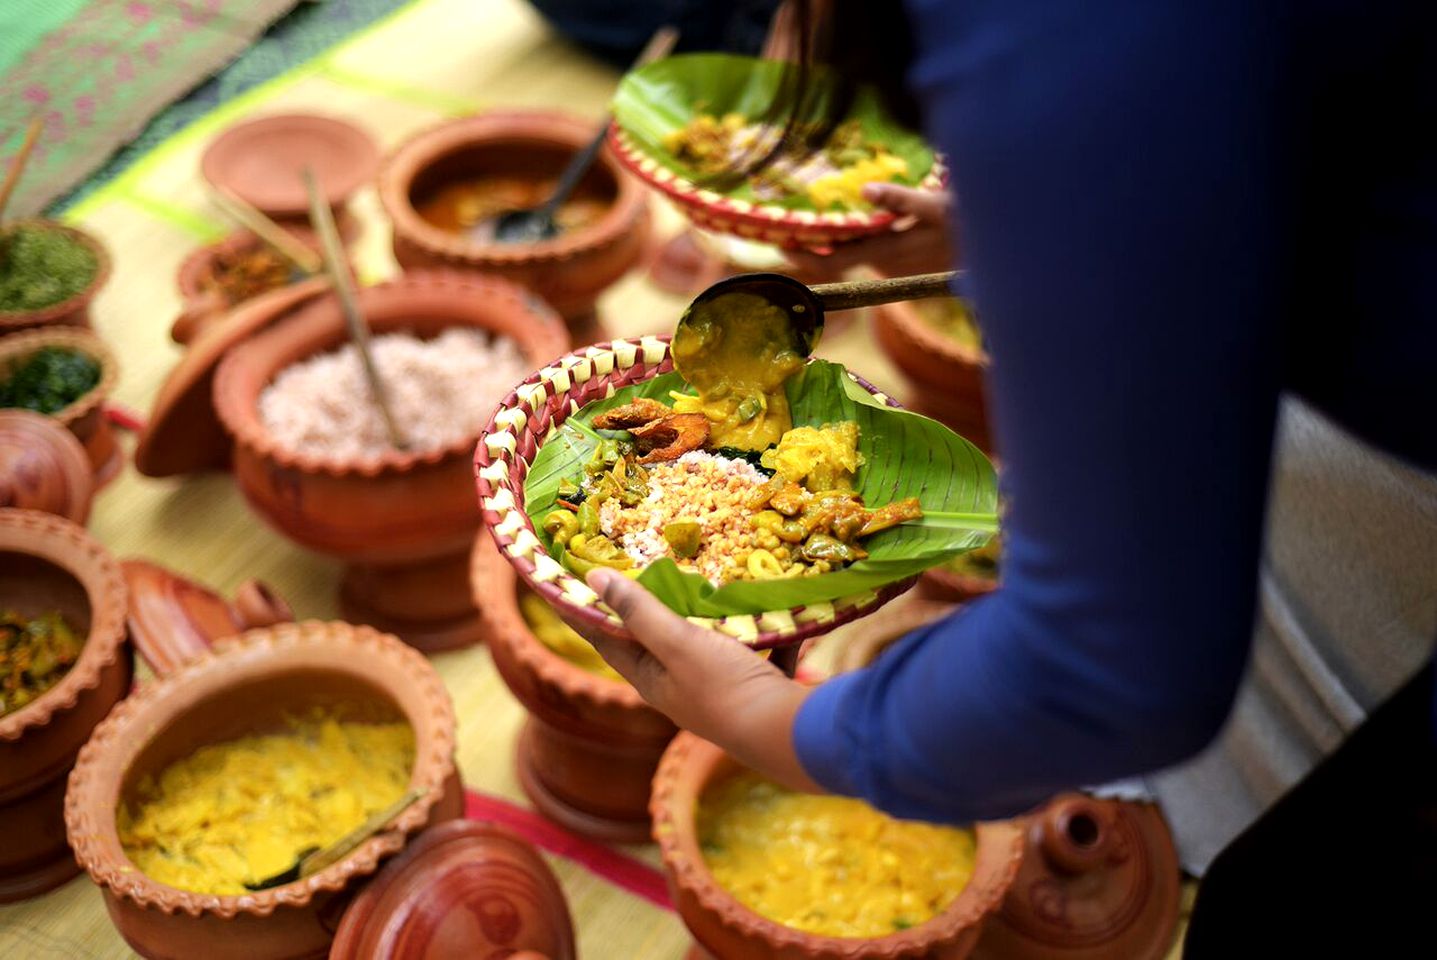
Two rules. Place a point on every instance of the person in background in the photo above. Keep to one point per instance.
(1184, 225)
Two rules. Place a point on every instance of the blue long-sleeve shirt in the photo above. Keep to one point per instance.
(1170, 213)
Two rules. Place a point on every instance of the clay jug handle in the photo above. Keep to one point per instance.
(256, 605)
(1075, 833)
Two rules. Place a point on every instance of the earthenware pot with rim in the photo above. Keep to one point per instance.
(404, 522)
(245, 685)
(43, 466)
(201, 307)
(869, 638)
(48, 563)
(589, 749)
(569, 271)
(85, 417)
(945, 378)
(726, 929)
(73, 311)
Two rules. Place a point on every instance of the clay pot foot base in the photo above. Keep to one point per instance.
(37, 880)
(559, 811)
(426, 636)
(419, 604)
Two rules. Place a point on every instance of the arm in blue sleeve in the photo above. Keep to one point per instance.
(1122, 225)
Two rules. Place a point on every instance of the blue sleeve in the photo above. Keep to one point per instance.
(1122, 227)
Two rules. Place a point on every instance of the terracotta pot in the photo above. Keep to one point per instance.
(588, 752)
(569, 271)
(728, 930)
(43, 466)
(405, 522)
(1099, 879)
(47, 563)
(75, 311)
(247, 684)
(85, 418)
(945, 379)
(462, 890)
(871, 637)
(260, 161)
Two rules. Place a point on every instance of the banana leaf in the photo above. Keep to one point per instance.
(662, 97)
(905, 455)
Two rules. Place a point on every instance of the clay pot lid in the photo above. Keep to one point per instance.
(172, 619)
(43, 466)
(1099, 879)
(183, 434)
(463, 889)
(260, 161)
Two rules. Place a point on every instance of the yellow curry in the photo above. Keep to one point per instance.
(242, 810)
(737, 350)
(559, 637)
(832, 866)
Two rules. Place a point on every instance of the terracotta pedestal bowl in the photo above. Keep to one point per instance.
(588, 752)
(945, 378)
(569, 271)
(47, 563)
(85, 418)
(245, 685)
(404, 522)
(727, 930)
(74, 311)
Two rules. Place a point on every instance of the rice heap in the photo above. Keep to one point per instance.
(714, 491)
(440, 391)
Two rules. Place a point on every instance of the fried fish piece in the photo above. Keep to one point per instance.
(671, 437)
(631, 415)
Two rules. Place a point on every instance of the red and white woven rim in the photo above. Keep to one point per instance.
(532, 414)
(766, 223)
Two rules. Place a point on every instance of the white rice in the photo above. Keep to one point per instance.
(440, 392)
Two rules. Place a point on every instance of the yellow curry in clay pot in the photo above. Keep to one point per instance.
(236, 812)
(826, 865)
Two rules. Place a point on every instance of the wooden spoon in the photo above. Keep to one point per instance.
(323, 219)
(17, 166)
(804, 305)
(276, 236)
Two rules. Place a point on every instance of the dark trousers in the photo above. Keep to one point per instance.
(1344, 865)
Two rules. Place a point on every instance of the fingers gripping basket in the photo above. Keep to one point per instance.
(761, 222)
(522, 423)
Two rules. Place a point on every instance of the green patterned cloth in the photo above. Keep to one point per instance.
(306, 32)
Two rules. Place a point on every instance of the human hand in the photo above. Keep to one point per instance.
(705, 682)
(919, 242)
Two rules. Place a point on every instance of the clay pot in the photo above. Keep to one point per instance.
(945, 378)
(404, 522)
(74, 312)
(85, 418)
(43, 466)
(47, 563)
(728, 930)
(588, 751)
(261, 161)
(461, 890)
(1099, 879)
(245, 685)
(871, 637)
(569, 271)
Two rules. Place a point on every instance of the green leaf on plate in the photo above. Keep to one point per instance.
(905, 455)
(662, 97)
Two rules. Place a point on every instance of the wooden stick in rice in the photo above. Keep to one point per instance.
(323, 219)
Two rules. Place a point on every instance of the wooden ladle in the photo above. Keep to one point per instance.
(805, 305)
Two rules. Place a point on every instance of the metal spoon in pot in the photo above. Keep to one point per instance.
(804, 305)
(531, 226)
